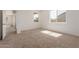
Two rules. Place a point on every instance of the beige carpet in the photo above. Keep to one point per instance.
(37, 39)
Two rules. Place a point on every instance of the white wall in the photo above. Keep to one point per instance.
(71, 27)
(24, 20)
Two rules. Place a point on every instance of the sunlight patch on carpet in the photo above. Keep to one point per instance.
(54, 34)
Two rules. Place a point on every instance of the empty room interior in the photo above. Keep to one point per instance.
(39, 29)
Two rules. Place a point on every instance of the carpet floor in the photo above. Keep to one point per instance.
(39, 38)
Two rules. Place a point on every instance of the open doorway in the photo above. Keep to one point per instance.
(9, 22)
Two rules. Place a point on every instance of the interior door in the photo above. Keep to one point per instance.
(0, 24)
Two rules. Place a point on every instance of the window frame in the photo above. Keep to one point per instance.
(65, 22)
(34, 20)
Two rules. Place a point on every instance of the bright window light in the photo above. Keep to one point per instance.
(54, 34)
(59, 12)
(53, 14)
(57, 16)
(36, 15)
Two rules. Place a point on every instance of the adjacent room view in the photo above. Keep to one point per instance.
(39, 29)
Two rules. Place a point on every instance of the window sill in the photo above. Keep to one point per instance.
(58, 22)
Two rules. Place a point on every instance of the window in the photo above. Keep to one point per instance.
(58, 16)
(35, 17)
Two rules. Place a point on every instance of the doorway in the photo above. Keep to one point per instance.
(11, 25)
(9, 22)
